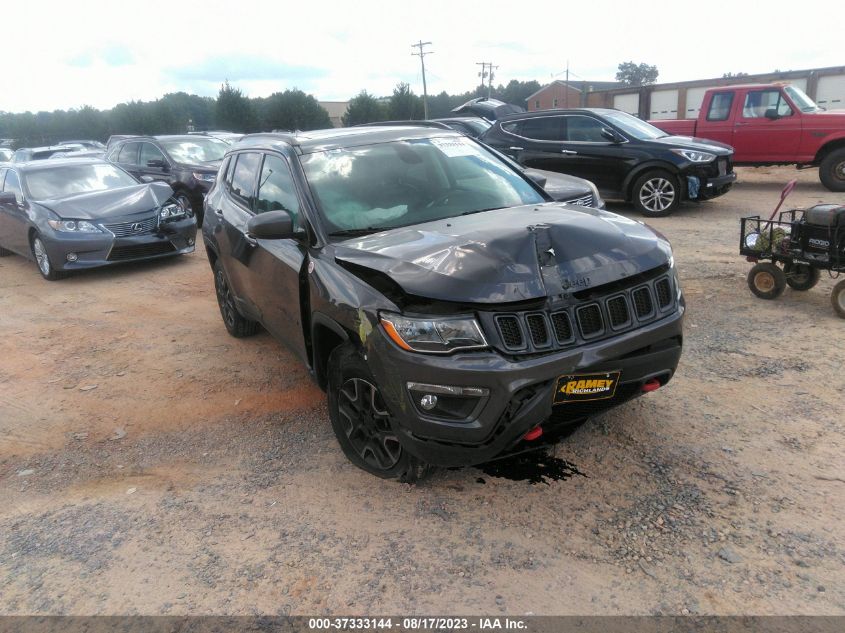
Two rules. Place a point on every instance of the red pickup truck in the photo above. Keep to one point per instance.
(771, 124)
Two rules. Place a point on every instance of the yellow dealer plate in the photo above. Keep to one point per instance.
(583, 387)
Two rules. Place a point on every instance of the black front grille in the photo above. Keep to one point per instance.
(617, 310)
(538, 330)
(137, 251)
(510, 331)
(664, 292)
(590, 321)
(140, 227)
(643, 305)
(562, 327)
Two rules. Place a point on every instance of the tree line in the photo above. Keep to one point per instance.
(232, 110)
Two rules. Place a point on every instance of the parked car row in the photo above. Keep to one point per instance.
(450, 307)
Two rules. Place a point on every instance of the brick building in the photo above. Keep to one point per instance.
(562, 94)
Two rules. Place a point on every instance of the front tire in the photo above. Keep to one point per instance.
(656, 194)
(800, 276)
(184, 201)
(42, 259)
(236, 324)
(832, 170)
(766, 280)
(837, 298)
(362, 423)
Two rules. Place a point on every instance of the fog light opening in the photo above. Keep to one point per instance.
(190, 241)
(533, 434)
(651, 385)
(428, 401)
(72, 257)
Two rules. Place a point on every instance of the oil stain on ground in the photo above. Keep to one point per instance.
(535, 467)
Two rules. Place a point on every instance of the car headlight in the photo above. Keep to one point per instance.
(171, 211)
(598, 203)
(74, 226)
(694, 156)
(433, 335)
(204, 177)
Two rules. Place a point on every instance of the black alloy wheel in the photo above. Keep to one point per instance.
(235, 323)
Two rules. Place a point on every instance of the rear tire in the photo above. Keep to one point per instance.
(832, 170)
(801, 277)
(766, 280)
(236, 324)
(42, 260)
(656, 194)
(837, 298)
(361, 422)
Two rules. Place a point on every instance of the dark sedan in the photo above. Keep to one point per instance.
(72, 214)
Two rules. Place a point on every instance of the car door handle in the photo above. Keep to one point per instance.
(567, 151)
(516, 149)
(740, 123)
(218, 212)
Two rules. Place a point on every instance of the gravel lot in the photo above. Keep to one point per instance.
(151, 464)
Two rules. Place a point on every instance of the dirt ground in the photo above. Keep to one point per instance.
(151, 464)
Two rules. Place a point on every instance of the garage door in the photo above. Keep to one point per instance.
(664, 104)
(629, 103)
(695, 96)
(830, 92)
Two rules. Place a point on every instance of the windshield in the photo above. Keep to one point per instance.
(68, 180)
(390, 185)
(632, 126)
(200, 150)
(799, 98)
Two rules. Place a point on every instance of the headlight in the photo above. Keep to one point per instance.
(74, 226)
(598, 203)
(171, 211)
(435, 335)
(695, 157)
(204, 177)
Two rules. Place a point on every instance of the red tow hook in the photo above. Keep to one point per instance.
(533, 434)
(651, 385)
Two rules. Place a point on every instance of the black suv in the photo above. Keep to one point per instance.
(627, 158)
(189, 163)
(451, 310)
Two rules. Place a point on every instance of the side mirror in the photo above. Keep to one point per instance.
(157, 163)
(537, 178)
(146, 178)
(272, 225)
(610, 135)
(7, 197)
(772, 114)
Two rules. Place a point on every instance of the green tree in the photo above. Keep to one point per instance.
(363, 108)
(293, 110)
(233, 111)
(733, 75)
(404, 104)
(632, 74)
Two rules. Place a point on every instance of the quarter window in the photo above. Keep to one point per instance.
(243, 177)
(720, 106)
(276, 191)
(128, 154)
(547, 128)
(584, 129)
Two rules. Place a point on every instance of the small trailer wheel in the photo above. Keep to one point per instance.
(766, 280)
(837, 298)
(801, 276)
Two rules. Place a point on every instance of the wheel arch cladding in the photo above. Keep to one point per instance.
(631, 178)
(327, 335)
(827, 148)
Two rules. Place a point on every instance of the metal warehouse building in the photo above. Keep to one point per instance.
(682, 100)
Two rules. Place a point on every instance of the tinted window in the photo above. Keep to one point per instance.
(68, 180)
(13, 185)
(243, 177)
(128, 154)
(720, 106)
(547, 128)
(584, 129)
(150, 152)
(758, 102)
(276, 190)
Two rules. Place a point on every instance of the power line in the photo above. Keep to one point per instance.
(420, 45)
(487, 71)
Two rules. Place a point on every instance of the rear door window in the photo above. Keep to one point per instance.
(720, 106)
(547, 128)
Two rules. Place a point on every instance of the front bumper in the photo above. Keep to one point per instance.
(93, 250)
(711, 180)
(518, 392)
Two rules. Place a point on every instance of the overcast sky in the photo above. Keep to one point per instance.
(67, 54)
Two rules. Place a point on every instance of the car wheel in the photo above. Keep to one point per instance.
(656, 194)
(45, 267)
(832, 170)
(801, 276)
(235, 323)
(362, 423)
(766, 280)
(837, 298)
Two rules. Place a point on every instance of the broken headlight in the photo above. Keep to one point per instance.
(433, 335)
(171, 211)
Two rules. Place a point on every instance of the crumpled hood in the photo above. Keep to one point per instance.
(513, 254)
(111, 203)
(693, 142)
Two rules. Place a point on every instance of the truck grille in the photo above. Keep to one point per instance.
(139, 227)
(594, 318)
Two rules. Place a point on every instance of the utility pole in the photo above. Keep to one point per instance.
(566, 87)
(421, 46)
(487, 71)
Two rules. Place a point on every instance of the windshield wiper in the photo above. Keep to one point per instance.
(481, 210)
(357, 232)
